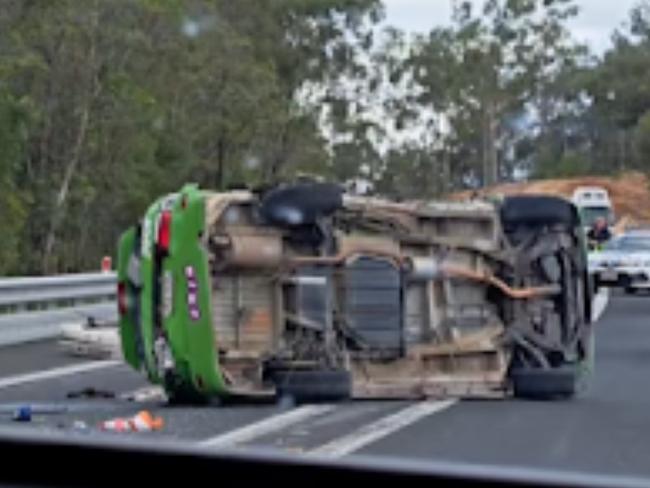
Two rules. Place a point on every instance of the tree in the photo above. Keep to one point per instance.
(610, 97)
(13, 123)
(489, 70)
(122, 101)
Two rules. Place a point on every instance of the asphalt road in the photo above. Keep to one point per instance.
(604, 431)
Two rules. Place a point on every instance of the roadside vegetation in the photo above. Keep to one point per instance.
(104, 105)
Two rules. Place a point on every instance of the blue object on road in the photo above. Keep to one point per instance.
(35, 408)
(23, 414)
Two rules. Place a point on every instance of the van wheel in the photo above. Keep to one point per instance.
(545, 384)
(180, 393)
(313, 385)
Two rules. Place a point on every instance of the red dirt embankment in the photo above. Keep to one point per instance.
(630, 192)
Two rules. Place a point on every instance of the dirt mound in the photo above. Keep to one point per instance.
(630, 192)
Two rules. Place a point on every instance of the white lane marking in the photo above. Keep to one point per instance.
(600, 304)
(54, 373)
(381, 428)
(267, 426)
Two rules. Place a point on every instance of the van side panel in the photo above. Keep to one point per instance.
(189, 326)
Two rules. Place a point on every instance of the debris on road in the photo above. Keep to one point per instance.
(90, 392)
(80, 426)
(23, 414)
(144, 421)
(91, 340)
(146, 394)
(36, 408)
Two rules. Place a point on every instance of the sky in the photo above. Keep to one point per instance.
(594, 24)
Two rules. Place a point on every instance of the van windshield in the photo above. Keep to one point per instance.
(590, 214)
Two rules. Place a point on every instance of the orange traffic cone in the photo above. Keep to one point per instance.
(144, 421)
(107, 263)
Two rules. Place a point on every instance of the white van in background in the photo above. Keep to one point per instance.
(593, 202)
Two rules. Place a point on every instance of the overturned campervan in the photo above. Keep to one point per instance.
(302, 290)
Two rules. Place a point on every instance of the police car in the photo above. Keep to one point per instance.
(623, 262)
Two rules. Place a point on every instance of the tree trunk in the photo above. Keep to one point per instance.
(446, 172)
(221, 163)
(493, 155)
(58, 208)
(489, 153)
(622, 149)
(279, 158)
(484, 155)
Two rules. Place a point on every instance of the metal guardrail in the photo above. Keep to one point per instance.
(70, 289)
(18, 328)
(35, 308)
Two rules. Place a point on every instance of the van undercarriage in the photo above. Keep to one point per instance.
(307, 292)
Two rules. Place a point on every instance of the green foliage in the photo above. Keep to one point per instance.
(14, 119)
(488, 72)
(570, 164)
(106, 105)
(604, 105)
(642, 138)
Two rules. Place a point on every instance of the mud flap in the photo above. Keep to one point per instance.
(314, 385)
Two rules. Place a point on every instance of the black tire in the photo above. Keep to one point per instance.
(631, 290)
(591, 290)
(186, 398)
(313, 385)
(538, 210)
(180, 393)
(546, 384)
(301, 204)
(597, 284)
